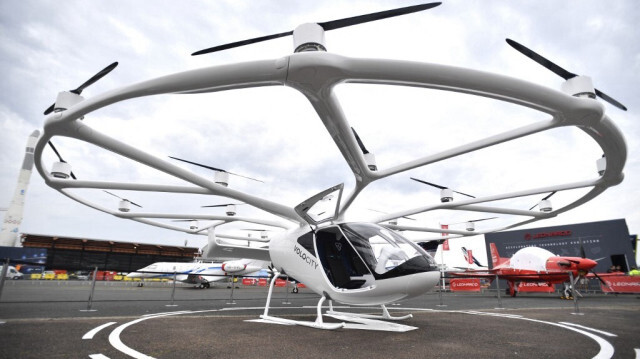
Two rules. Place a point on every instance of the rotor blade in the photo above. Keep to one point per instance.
(95, 78)
(123, 199)
(610, 100)
(362, 148)
(241, 43)
(328, 25)
(199, 164)
(183, 220)
(541, 60)
(361, 19)
(215, 169)
(545, 198)
(60, 158)
(133, 203)
(115, 195)
(239, 175)
(429, 183)
(549, 196)
(50, 109)
(468, 195)
(56, 152)
(223, 205)
(483, 219)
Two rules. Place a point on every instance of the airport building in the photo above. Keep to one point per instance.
(608, 242)
(72, 254)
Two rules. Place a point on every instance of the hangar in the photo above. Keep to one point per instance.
(82, 253)
(608, 242)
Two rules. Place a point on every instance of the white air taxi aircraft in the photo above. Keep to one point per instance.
(201, 274)
(361, 263)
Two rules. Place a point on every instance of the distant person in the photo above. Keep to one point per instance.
(611, 269)
(618, 269)
(634, 271)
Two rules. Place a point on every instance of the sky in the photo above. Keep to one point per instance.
(274, 135)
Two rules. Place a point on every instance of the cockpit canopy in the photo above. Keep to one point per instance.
(354, 255)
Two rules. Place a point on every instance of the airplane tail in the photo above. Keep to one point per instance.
(495, 256)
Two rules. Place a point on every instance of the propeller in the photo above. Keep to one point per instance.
(60, 158)
(215, 169)
(440, 187)
(328, 25)
(544, 199)
(559, 70)
(123, 199)
(87, 83)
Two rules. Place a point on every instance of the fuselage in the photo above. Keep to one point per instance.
(198, 272)
(355, 263)
(537, 264)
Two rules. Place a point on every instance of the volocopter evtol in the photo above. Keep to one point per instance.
(363, 263)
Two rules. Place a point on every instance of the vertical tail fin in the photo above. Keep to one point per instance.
(495, 256)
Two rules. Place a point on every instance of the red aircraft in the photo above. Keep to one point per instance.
(532, 264)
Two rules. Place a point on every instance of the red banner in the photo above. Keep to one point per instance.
(465, 285)
(469, 256)
(444, 226)
(538, 287)
(620, 284)
(249, 281)
(445, 245)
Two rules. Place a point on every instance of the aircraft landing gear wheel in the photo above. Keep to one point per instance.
(201, 286)
(207, 285)
(294, 290)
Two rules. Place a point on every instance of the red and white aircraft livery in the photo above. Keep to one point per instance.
(532, 264)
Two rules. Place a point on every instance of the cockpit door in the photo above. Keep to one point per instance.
(323, 207)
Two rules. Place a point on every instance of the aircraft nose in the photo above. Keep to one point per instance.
(587, 264)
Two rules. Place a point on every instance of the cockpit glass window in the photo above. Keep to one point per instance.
(380, 248)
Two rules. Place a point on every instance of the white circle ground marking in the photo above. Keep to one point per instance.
(606, 349)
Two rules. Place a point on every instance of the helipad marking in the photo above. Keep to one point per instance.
(591, 329)
(606, 349)
(637, 353)
(98, 356)
(95, 330)
(114, 337)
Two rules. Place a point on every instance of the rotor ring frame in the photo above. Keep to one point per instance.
(315, 74)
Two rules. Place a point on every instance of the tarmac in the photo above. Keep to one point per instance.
(55, 319)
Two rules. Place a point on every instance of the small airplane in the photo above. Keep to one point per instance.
(200, 273)
(533, 264)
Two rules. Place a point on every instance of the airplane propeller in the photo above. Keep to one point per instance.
(559, 70)
(87, 83)
(123, 199)
(215, 169)
(328, 25)
(440, 187)
(60, 158)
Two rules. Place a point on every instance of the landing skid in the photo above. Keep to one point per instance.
(360, 321)
(385, 314)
